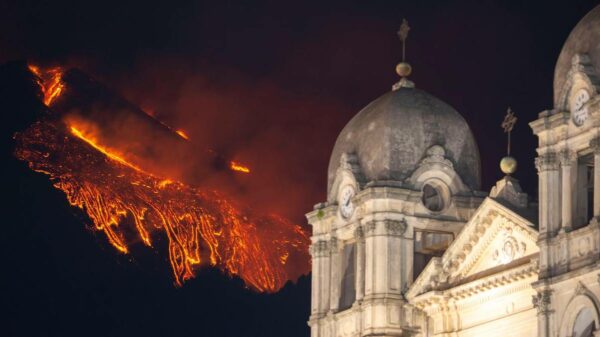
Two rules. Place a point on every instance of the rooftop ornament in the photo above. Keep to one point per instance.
(403, 68)
(508, 164)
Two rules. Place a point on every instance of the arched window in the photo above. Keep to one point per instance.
(580, 317)
(584, 323)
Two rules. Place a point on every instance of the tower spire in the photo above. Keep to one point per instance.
(508, 164)
(403, 68)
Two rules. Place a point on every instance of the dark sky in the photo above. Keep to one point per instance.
(271, 83)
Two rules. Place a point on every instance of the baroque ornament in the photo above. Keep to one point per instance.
(542, 302)
(595, 145)
(546, 162)
(567, 157)
(395, 227)
(319, 248)
(370, 227)
(436, 155)
(510, 250)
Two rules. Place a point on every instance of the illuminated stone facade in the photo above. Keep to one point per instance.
(407, 245)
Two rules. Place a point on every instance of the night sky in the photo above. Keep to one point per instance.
(270, 83)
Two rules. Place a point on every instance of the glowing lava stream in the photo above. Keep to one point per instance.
(50, 81)
(264, 251)
(79, 134)
(182, 134)
(238, 167)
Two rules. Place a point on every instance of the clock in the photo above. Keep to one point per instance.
(578, 110)
(345, 201)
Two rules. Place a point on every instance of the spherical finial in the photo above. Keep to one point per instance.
(403, 69)
(508, 165)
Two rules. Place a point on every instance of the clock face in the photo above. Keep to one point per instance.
(345, 200)
(578, 110)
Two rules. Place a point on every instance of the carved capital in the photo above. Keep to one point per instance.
(395, 227)
(334, 245)
(566, 157)
(359, 234)
(541, 301)
(319, 248)
(547, 162)
(595, 145)
(369, 228)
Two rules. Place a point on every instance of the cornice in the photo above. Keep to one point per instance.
(519, 277)
(549, 119)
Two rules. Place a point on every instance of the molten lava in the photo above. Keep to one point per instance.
(182, 134)
(49, 81)
(88, 139)
(238, 167)
(130, 205)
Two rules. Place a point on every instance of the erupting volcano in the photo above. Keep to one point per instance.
(134, 193)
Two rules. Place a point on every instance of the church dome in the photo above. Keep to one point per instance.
(391, 136)
(584, 39)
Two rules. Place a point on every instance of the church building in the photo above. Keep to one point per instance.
(407, 243)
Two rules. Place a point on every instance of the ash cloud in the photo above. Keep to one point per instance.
(281, 136)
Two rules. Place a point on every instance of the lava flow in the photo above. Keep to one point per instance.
(129, 204)
(238, 167)
(49, 82)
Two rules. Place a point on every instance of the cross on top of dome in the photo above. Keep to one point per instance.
(403, 68)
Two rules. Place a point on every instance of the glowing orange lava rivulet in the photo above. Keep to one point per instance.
(49, 81)
(235, 166)
(198, 224)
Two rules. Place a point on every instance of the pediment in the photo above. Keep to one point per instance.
(509, 244)
(494, 239)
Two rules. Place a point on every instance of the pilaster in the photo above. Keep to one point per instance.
(567, 164)
(320, 252)
(335, 274)
(595, 146)
(360, 263)
(549, 194)
(542, 302)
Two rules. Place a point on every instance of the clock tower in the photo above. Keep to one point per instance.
(568, 166)
(403, 179)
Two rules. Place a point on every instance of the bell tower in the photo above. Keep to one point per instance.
(403, 180)
(568, 166)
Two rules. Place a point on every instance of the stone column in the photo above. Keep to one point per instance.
(567, 162)
(549, 218)
(369, 232)
(397, 257)
(320, 277)
(360, 264)
(595, 145)
(542, 302)
(549, 193)
(335, 278)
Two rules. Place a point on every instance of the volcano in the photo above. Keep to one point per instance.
(136, 179)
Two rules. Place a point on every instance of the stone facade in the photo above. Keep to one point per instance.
(412, 248)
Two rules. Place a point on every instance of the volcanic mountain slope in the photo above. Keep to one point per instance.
(123, 168)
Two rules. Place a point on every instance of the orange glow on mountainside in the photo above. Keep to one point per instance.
(50, 82)
(130, 205)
